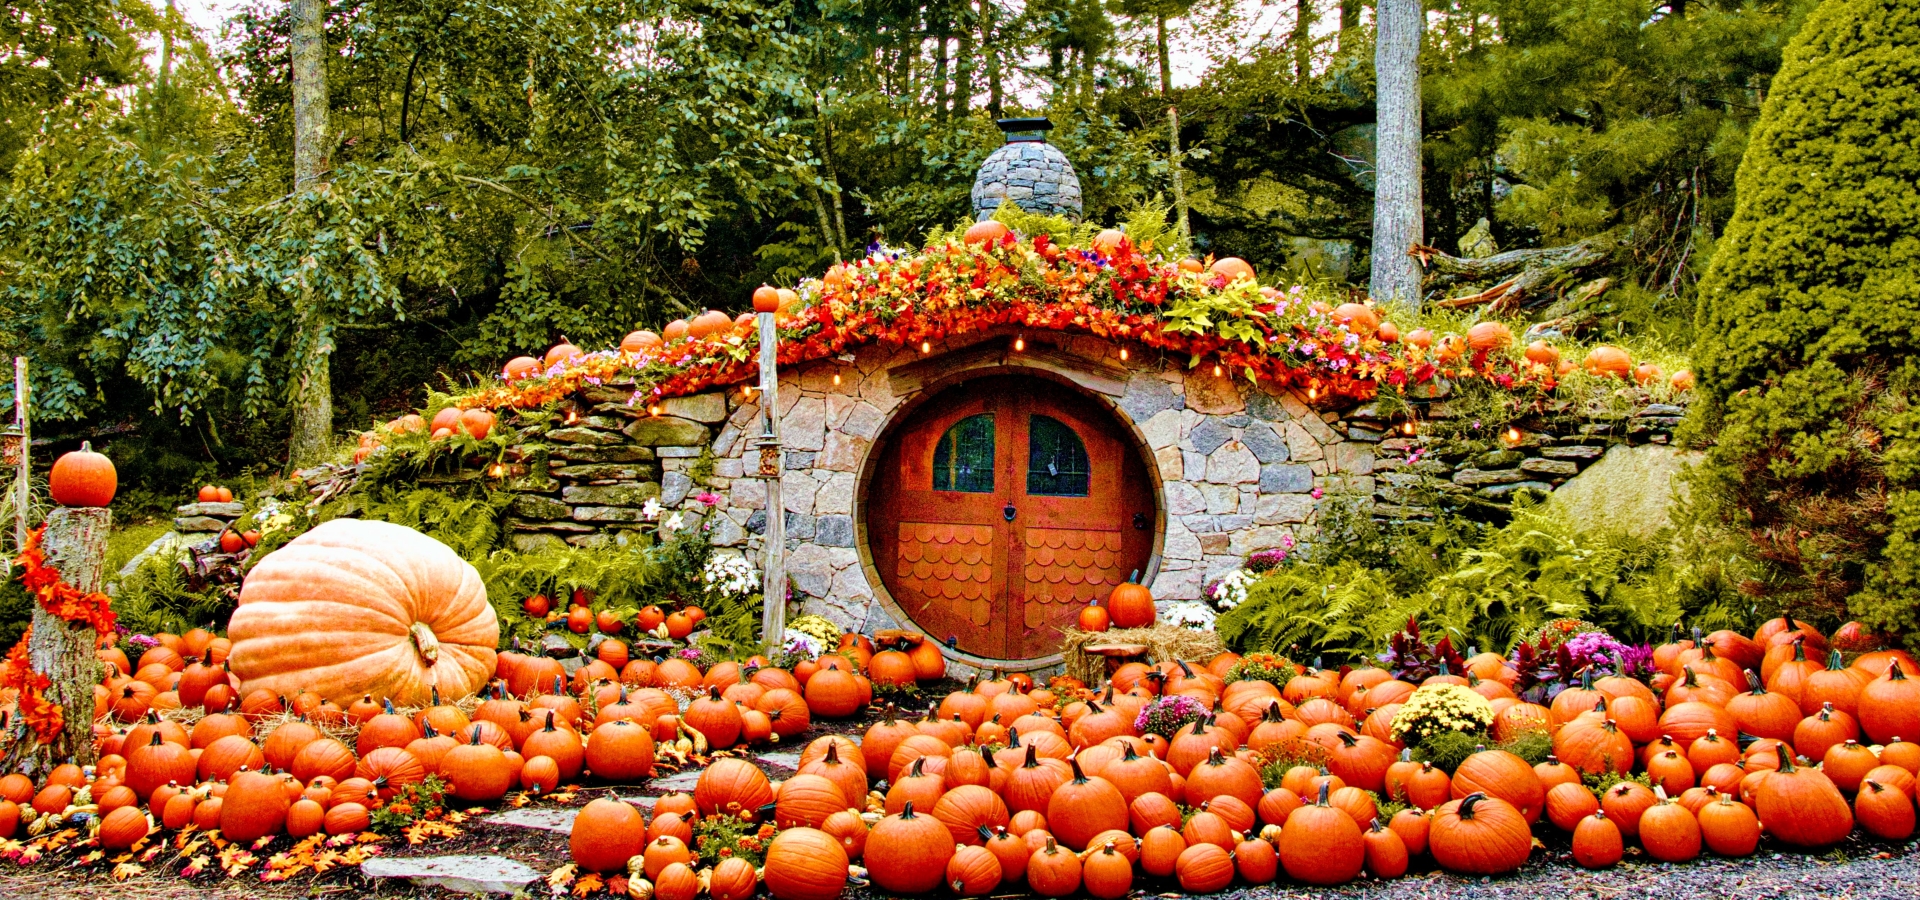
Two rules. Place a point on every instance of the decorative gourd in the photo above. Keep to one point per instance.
(82, 478)
(1131, 604)
(1479, 835)
(357, 607)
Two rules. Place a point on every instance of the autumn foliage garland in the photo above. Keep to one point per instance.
(68, 603)
(952, 289)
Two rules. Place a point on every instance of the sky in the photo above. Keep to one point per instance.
(1191, 40)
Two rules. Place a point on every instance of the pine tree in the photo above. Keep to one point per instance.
(1809, 322)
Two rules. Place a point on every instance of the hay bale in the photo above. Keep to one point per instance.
(1165, 643)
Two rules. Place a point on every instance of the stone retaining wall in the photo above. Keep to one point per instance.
(1240, 468)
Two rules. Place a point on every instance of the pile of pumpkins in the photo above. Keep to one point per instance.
(1053, 788)
(178, 742)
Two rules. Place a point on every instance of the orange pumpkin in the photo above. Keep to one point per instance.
(1094, 618)
(676, 330)
(709, 323)
(517, 368)
(639, 340)
(1131, 604)
(357, 607)
(561, 352)
(766, 299)
(1232, 268)
(988, 232)
(1610, 361)
(1489, 337)
(82, 478)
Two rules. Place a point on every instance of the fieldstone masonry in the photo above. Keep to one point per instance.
(1034, 175)
(1241, 468)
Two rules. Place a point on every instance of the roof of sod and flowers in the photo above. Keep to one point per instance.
(1040, 274)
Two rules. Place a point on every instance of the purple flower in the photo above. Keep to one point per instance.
(690, 653)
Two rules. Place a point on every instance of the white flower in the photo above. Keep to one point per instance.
(730, 574)
(1231, 590)
(1191, 615)
(673, 523)
(652, 509)
(799, 642)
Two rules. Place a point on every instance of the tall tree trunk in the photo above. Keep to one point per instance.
(992, 47)
(166, 46)
(1177, 177)
(1397, 209)
(942, 88)
(1349, 19)
(313, 343)
(76, 546)
(963, 63)
(1303, 17)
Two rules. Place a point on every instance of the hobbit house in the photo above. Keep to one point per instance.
(978, 470)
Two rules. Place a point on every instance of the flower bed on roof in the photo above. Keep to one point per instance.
(1212, 311)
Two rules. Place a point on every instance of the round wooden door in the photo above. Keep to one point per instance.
(1002, 507)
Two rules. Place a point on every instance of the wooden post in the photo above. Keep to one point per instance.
(22, 484)
(773, 584)
(76, 545)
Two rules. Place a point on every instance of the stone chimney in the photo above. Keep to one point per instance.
(1028, 171)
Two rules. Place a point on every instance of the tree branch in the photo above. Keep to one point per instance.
(585, 243)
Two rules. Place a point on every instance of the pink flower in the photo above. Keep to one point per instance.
(707, 497)
(1316, 493)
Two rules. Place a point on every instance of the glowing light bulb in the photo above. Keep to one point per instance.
(926, 346)
(1123, 354)
(1513, 435)
(497, 471)
(653, 409)
(1407, 429)
(1020, 343)
(836, 379)
(1217, 371)
(573, 416)
(1313, 393)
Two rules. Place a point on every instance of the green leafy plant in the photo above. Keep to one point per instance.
(421, 801)
(1448, 749)
(1274, 670)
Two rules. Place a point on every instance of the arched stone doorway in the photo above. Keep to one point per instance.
(1000, 505)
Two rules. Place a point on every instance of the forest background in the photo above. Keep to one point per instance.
(505, 174)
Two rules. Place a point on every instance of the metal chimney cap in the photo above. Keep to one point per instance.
(1034, 129)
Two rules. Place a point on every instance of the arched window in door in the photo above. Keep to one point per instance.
(963, 459)
(1056, 459)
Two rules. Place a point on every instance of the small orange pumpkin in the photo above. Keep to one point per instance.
(83, 478)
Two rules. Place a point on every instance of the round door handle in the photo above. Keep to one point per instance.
(1008, 512)
(1140, 521)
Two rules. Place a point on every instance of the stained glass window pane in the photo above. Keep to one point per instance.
(963, 460)
(1056, 460)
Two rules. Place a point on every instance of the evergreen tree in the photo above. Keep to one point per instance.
(1809, 323)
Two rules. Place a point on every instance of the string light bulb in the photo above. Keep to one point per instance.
(1123, 354)
(1513, 435)
(1217, 371)
(573, 415)
(497, 470)
(1406, 428)
(1313, 393)
(1020, 343)
(653, 409)
(836, 379)
(926, 346)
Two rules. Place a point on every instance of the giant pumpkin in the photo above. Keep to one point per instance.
(357, 607)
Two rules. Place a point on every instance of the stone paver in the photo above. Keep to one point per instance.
(784, 759)
(461, 874)
(557, 820)
(679, 781)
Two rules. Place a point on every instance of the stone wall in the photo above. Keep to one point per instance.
(1419, 475)
(1240, 468)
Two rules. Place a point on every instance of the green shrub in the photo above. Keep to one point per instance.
(1448, 749)
(1809, 326)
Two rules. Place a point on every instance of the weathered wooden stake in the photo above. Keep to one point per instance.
(22, 483)
(76, 545)
(773, 584)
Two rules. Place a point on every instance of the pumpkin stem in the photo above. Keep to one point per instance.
(985, 835)
(833, 754)
(1033, 758)
(1894, 672)
(1013, 737)
(426, 644)
(918, 768)
(426, 729)
(1128, 754)
(1467, 805)
(1080, 777)
(549, 727)
(389, 704)
(1786, 759)
(1323, 795)
(907, 811)
(1345, 738)
(1134, 578)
